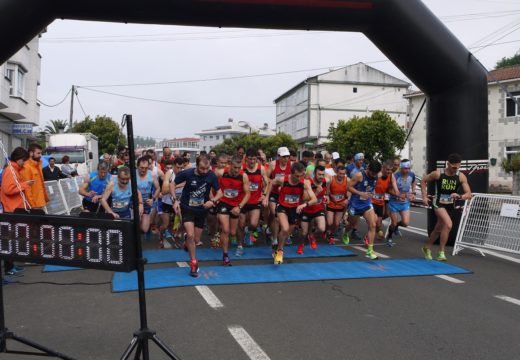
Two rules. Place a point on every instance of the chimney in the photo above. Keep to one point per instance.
(230, 120)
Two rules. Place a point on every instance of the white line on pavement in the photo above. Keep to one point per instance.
(450, 279)
(204, 291)
(508, 299)
(414, 230)
(416, 212)
(362, 249)
(247, 343)
(502, 256)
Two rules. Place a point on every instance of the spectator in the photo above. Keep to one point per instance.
(66, 168)
(52, 172)
(32, 170)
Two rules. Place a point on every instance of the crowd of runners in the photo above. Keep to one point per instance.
(235, 197)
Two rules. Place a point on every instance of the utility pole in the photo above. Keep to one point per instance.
(71, 106)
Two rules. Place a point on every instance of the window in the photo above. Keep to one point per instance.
(354, 90)
(512, 151)
(511, 108)
(20, 83)
(216, 137)
(211, 137)
(15, 75)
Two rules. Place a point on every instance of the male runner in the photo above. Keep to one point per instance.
(314, 214)
(337, 189)
(385, 182)
(362, 186)
(447, 184)
(213, 228)
(93, 187)
(121, 194)
(145, 181)
(295, 195)
(400, 201)
(353, 168)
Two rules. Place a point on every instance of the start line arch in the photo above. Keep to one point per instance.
(406, 31)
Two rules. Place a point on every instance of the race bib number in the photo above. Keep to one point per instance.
(292, 199)
(338, 197)
(378, 196)
(196, 201)
(387, 196)
(230, 193)
(446, 199)
(253, 186)
(119, 204)
(279, 176)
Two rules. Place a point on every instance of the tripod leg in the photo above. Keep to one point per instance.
(39, 347)
(138, 351)
(165, 348)
(146, 354)
(130, 348)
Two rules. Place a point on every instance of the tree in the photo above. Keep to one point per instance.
(268, 144)
(513, 60)
(513, 166)
(56, 127)
(144, 142)
(107, 131)
(377, 136)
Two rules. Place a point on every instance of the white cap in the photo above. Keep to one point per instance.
(335, 155)
(283, 151)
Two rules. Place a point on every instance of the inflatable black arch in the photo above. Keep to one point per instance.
(411, 36)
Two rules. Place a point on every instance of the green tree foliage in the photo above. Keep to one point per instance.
(511, 165)
(108, 132)
(144, 142)
(513, 60)
(377, 136)
(56, 127)
(268, 144)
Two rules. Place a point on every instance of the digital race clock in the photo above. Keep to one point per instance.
(63, 240)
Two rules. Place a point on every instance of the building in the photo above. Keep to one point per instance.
(212, 137)
(307, 110)
(504, 126)
(19, 109)
(187, 142)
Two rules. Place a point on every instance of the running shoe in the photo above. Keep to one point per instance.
(371, 255)
(354, 235)
(194, 268)
(314, 243)
(14, 273)
(239, 251)
(167, 234)
(345, 238)
(300, 249)
(397, 232)
(255, 235)
(226, 261)
(248, 239)
(278, 259)
(427, 253)
(381, 234)
(441, 256)
(390, 242)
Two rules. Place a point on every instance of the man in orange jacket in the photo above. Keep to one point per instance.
(32, 170)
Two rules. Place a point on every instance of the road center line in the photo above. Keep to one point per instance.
(362, 249)
(508, 299)
(247, 343)
(204, 291)
(450, 279)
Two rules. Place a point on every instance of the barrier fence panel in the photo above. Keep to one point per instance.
(490, 222)
(70, 191)
(57, 204)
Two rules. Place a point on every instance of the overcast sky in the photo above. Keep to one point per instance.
(93, 54)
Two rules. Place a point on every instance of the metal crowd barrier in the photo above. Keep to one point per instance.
(490, 222)
(63, 195)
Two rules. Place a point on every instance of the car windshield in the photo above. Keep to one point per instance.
(75, 156)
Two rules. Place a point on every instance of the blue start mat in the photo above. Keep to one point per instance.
(249, 274)
(250, 253)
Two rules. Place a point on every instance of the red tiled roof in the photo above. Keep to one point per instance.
(506, 73)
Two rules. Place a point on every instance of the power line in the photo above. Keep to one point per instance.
(500, 38)
(61, 102)
(80, 105)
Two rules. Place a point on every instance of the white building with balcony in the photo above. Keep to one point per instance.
(19, 81)
(187, 142)
(210, 138)
(307, 110)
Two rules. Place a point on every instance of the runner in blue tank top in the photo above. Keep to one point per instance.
(362, 186)
(145, 182)
(93, 187)
(121, 193)
(400, 202)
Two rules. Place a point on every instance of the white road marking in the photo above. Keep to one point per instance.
(417, 212)
(414, 230)
(362, 249)
(247, 343)
(502, 256)
(508, 299)
(450, 279)
(204, 291)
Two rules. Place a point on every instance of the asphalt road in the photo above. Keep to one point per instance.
(391, 318)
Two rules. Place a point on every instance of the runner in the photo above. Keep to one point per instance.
(314, 214)
(353, 168)
(337, 189)
(195, 201)
(447, 184)
(213, 230)
(145, 181)
(385, 182)
(362, 186)
(93, 188)
(295, 195)
(166, 203)
(234, 185)
(121, 194)
(278, 169)
(250, 214)
(396, 164)
(400, 201)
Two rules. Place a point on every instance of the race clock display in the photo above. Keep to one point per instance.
(69, 241)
